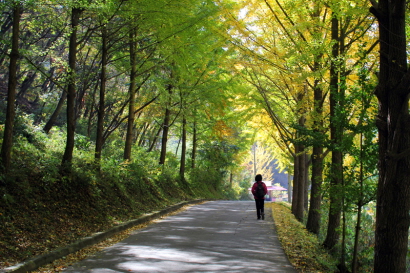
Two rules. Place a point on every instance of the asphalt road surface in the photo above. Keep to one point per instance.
(217, 236)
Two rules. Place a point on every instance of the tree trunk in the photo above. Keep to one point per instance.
(306, 185)
(300, 202)
(194, 145)
(290, 189)
(154, 139)
(296, 176)
(299, 179)
(335, 210)
(299, 183)
(342, 76)
(359, 212)
(101, 108)
(54, 116)
(314, 216)
(144, 130)
(336, 172)
(11, 93)
(393, 123)
(89, 112)
(26, 84)
(71, 93)
(132, 92)
(183, 150)
(165, 129)
(179, 142)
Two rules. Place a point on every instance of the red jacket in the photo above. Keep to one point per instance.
(255, 186)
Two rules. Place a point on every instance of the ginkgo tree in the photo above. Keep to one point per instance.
(272, 76)
(141, 75)
(309, 54)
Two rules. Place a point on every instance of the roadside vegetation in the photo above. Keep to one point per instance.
(302, 248)
(112, 108)
(61, 264)
(40, 210)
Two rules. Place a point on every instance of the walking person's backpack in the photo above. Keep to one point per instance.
(260, 191)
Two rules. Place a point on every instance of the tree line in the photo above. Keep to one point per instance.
(113, 67)
(324, 84)
(328, 75)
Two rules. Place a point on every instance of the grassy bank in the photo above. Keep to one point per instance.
(41, 210)
(36, 223)
(302, 248)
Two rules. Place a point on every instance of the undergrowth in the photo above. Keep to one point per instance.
(41, 210)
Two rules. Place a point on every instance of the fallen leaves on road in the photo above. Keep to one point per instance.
(61, 264)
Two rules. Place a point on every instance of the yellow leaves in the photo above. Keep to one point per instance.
(222, 130)
(302, 248)
(60, 264)
(239, 66)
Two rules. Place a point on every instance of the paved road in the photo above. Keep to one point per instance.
(217, 236)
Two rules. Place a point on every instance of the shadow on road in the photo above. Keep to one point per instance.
(217, 236)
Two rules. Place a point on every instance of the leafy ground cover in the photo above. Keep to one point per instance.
(45, 222)
(302, 248)
(41, 210)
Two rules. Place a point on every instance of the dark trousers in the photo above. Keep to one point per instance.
(260, 207)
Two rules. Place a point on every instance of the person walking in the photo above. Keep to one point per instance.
(259, 190)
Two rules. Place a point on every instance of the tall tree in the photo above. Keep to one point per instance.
(183, 150)
(11, 93)
(317, 158)
(132, 94)
(300, 179)
(393, 124)
(103, 81)
(71, 89)
(165, 126)
(194, 143)
(336, 172)
(313, 221)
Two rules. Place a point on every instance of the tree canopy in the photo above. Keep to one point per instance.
(193, 91)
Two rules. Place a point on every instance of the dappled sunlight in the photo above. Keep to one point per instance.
(169, 254)
(178, 219)
(214, 237)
